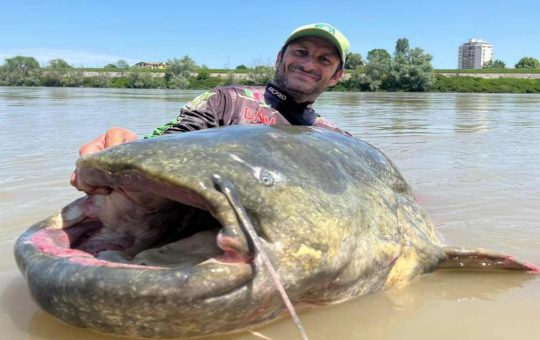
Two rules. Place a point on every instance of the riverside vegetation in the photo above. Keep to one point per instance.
(407, 69)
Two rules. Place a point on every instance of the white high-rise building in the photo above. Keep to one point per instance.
(474, 54)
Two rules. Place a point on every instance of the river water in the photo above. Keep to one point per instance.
(473, 161)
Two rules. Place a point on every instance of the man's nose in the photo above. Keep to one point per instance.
(308, 64)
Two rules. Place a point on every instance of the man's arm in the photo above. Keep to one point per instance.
(204, 112)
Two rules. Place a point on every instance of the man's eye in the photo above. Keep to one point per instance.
(301, 52)
(324, 60)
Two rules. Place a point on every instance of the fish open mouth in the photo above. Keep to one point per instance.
(146, 224)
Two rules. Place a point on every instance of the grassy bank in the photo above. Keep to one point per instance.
(483, 85)
(489, 71)
(202, 78)
(245, 71)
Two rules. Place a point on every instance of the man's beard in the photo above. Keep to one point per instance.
(299, 96)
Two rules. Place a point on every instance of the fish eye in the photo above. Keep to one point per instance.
(266, 178)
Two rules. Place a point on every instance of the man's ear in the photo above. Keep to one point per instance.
(279, 57)
(336, 77)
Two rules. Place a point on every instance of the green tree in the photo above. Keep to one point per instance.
(54, 73)
(420, 75)
(203, 73)
(21, 64)
(499, 64)
(99, 80)
(111, 66)
(378, 54)
(528, 62)
(409, 69)
(58, 64)
(402, 47)
(399, 75)
(145, 80)
(377, 69)
(241, 67)
(184, 66)
(179, 71)
(260, 75)
(122, 64)
(494, 64)
(353, 61)
(358, 80)
(20, 70)
(178, 82)
(72, 78)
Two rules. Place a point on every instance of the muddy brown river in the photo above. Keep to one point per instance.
(473, 161)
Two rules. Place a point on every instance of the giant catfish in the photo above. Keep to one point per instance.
(167, 254)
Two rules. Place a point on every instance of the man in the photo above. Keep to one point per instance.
(310, 61)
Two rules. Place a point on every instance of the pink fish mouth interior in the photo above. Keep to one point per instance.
(136, 228)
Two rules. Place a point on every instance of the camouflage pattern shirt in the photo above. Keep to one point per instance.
(243, 105)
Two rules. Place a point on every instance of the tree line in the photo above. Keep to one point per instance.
(523, 63)
(181, 73)
(406, 69)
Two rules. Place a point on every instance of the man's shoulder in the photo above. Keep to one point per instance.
(241, 90)
(232, 96)
(228, 91)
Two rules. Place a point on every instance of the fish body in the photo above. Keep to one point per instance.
(166, 253)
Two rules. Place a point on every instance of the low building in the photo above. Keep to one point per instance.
(474, 53)
(150, 64)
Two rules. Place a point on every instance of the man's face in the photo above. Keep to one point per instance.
(307, 68)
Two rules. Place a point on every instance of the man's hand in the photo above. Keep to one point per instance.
(112, 137)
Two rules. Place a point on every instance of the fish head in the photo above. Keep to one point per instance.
(292, 186)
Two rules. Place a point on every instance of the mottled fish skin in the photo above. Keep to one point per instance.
(334, 213)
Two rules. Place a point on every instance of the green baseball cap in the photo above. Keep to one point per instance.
(326, 32)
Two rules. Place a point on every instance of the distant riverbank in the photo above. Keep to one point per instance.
(464, 81)
(243, 75)
(487, 83)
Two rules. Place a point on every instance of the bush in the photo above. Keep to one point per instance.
(120, 82)
(203, 83)
(259, 75)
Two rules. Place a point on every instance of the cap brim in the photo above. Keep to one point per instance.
(315, 32)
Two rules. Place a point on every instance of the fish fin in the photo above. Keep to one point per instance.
(482, 259)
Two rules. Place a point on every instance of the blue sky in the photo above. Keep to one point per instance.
(229, 33)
